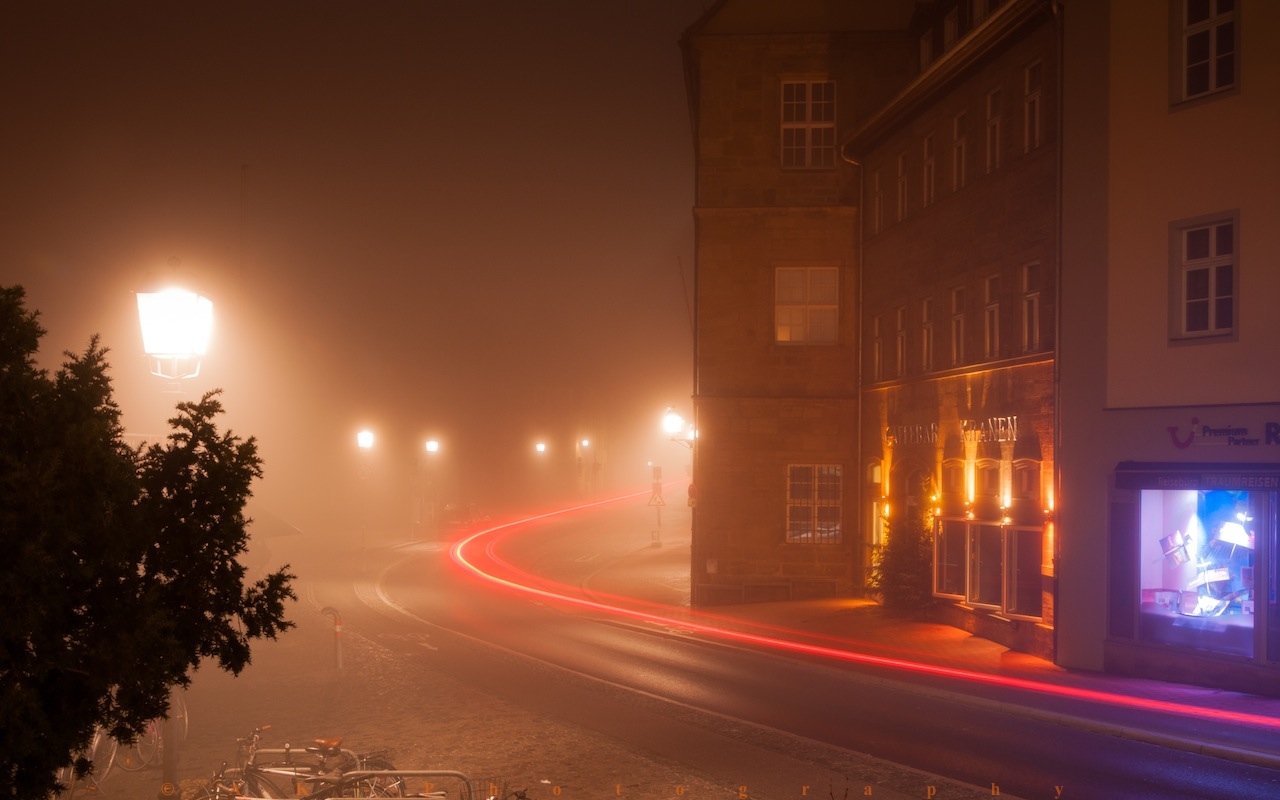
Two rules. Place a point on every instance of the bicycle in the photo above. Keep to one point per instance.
(84, 770)
(140, 754)
(319, 771)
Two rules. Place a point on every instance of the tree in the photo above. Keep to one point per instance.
(902, 568)
(120, 572)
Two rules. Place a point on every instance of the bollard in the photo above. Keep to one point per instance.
(329, 611)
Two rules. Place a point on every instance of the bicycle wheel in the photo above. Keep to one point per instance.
(376, 787)
(100, 753)
(136, 756)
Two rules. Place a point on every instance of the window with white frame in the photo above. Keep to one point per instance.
(957, 326)
(900, 340)
(991, 317)
(1209, 45)
(1033, 78)
(1024, 595)
(959, 150)
(926, 334)
(993, 130)
(986, 564)
(902, 186)
(814, 503)
(877, 348)
(1030, 308)
(1206, 278)
(929, 173)
(806, 305)
(809, 124)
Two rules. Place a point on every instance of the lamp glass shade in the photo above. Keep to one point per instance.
(175, 323)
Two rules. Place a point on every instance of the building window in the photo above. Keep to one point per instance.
(926, 334)
(959, 150)
(988, 564)
(991, 317)
(902, 187)
(1024, 595)
(1031, 106)
(814, 504)
(806, 304)
(1210, 41)
(950, 29)
(977, 11)
(1196, 567)
(808, 124)
(1206, 279)
(926, 49)
(929, 173)
(957, 326)
(900, 340)
(993, 130)
(877, 203)
(877, 349)
(1030, 308)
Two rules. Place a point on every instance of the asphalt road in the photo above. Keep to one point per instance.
(755, 717)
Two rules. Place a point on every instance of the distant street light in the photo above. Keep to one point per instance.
(429, 490)
(674, 426)
(364, 441)
(176, 327)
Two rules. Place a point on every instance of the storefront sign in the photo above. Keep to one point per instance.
(991, 429)
(1199, 434)
(1136, 477)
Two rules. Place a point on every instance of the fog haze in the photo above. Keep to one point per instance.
(462, 221)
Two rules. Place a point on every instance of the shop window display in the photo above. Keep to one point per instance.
(1197, 563)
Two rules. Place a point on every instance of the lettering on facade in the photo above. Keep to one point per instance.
(991, 429)
(1204, 435)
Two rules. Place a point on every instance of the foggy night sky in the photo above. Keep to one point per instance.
(467, 220)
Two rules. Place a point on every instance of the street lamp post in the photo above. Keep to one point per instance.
(364, 441)
(429, 490)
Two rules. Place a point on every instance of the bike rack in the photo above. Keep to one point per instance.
(356, 775)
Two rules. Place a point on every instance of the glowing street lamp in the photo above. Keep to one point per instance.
(176, 327)
(674, 426)
(364, 441)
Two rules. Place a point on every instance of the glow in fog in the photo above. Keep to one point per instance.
(515, 579)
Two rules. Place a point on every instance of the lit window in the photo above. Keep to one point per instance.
(814, 503)
(806, 305)
(1206, 277)
(808, 124)
(1208, 49)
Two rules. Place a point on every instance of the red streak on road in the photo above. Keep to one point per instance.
(501, 573)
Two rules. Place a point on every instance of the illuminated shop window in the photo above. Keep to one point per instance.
(1196, 568)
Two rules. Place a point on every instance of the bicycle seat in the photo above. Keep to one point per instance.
(331, 744)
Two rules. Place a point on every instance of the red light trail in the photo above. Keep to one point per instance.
(503, 574)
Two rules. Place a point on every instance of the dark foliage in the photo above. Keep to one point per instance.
(902, 567)
(120, 572)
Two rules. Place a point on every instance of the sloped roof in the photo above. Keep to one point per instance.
(727, 17)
